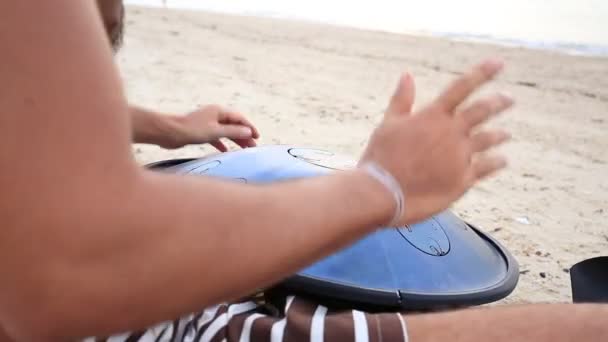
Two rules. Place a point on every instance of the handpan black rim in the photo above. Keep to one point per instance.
(163, 164)
(400, 300)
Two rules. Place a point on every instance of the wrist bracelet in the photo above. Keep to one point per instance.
(391, 184)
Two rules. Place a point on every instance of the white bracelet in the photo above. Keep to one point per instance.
(391, 184)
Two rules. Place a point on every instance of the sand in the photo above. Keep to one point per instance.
(323, 86)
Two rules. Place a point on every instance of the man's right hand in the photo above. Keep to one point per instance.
(439, 152)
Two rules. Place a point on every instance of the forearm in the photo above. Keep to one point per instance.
(176, 239)
(271, 231)
(526, 323)
(150, 127)
(90, 243)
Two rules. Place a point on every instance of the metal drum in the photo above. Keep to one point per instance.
(439, 263)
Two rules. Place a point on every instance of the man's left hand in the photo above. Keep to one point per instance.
(206, 125)
(211, 123)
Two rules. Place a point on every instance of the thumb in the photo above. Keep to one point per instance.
(402, 100)
(234, 132)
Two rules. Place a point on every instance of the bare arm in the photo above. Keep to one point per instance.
(533, 323)
(150, 127)
(91, 244)
(96, 222)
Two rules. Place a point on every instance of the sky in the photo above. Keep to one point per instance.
(583, 22)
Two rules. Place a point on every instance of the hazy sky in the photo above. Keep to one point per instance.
(581, 21)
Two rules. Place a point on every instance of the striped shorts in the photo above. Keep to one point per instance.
(249, 321)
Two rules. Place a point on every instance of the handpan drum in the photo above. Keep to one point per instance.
(438, 263)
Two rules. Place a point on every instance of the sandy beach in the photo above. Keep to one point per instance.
(324, 86)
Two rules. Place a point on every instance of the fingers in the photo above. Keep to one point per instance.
(465, 85)
(481, 110)
(219, 145)
(230, 117)
(486, 140)
(237, 128)
(234, 132)
(402, 100)
(244, 143)
(485, 166)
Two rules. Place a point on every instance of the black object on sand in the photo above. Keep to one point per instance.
(590, 281)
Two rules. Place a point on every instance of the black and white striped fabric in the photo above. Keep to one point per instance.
(299, 320)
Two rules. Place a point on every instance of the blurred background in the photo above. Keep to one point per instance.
(578, 27)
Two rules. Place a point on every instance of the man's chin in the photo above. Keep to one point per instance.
(117, 32)
(116, 39)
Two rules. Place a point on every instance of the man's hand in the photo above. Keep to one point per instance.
(438, 153)
(211, 123)
(206, 125)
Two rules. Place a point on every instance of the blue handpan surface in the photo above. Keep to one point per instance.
(440, 262)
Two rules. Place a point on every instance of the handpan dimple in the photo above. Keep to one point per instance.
(323, 158)
(202, 168)
(429, 238)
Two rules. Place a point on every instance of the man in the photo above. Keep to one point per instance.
(91, 244)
